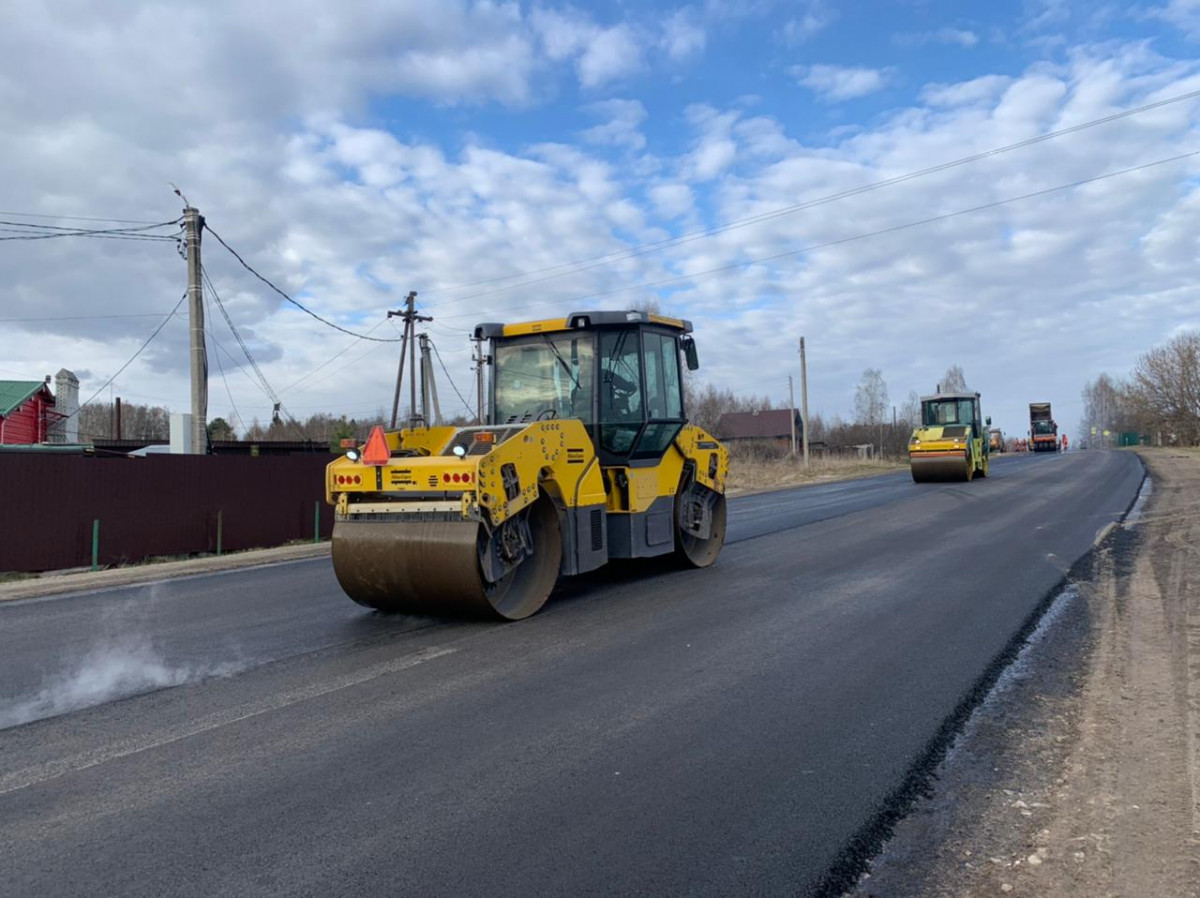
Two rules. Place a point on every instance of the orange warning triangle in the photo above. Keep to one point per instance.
(376, 451)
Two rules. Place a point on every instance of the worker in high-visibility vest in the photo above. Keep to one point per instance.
(1064, 442)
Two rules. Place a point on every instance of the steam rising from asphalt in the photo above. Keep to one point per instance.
(114, 667)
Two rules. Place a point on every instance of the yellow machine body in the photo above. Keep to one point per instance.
(483, 519)
(951, 443)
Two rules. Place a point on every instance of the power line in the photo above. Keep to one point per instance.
(221, 368)
(266, 387)
(331, 360)
(81, 317)
(50, 232)
(843, 240)
(103, 387)
(298, 305)
(644, 249)
(276, 401)
(76, 218)
(466, 404)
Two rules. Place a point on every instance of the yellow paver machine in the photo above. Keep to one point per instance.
(587, 455)
(951, 443)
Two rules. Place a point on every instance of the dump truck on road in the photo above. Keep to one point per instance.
(1043, 431)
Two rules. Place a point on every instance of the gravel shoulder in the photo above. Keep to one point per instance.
(1080, 774)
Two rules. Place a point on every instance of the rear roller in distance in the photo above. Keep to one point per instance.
(434, 567)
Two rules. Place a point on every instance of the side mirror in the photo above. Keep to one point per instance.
(989, 422)
(689, 353)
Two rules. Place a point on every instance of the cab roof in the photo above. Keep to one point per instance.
(580, 321)
(937, 396)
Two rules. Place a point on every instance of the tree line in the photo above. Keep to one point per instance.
(1159, 401)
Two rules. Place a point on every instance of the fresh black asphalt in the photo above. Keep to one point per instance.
(651, 731)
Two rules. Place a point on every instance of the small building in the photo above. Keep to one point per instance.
(26, 412)
(761, 427)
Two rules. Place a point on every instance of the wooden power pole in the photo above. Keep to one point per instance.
(804, 402)
(408, 349)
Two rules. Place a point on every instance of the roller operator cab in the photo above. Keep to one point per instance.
(587, 455)
(951, 443)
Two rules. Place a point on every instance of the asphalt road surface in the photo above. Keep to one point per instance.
(651, 731)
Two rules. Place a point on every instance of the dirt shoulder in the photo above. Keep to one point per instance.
(749, 474)
(1080, 775)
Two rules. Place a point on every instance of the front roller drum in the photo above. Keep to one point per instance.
(433, 567)
(697, 551)
(940, 468)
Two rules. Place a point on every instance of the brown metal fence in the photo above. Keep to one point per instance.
(158, 505)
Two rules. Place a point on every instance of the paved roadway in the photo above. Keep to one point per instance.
(651, 732)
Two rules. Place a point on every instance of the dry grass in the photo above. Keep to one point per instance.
(755, 472)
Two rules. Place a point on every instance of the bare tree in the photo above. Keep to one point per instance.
(1166, 387)
(138, 422)
(910, 410)
(871, 398)
(1106, 407)
(706, 405)
(954, 381)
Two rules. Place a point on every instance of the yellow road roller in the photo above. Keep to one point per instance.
(586, 455)
(951, 443)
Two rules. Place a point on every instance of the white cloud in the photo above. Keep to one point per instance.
(1183, 14)
(672, 200)
(834, 83)
(714, 149)
(612, 53)
(813, 17)
(622, 118)
(682, 35)
(601, 54)
(953, 36)
(984, 89)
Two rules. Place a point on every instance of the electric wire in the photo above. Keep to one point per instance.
(438, 355)
(851, 239)
(644, 249)
(80, 317)
(356, 341)
(76, 217)
(277, 403)
(221, 368)
(298, 305)
(50, 232)
(141, 348)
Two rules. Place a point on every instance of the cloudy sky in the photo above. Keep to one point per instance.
(743, 163)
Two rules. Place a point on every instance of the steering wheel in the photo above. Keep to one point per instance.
(546, 414)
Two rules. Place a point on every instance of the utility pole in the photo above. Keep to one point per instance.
(429, 400)
(479, 359)
(117, 418)
(193, 225)
(792, 416)
(408, 348)
(804, 402)
(893, 423)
